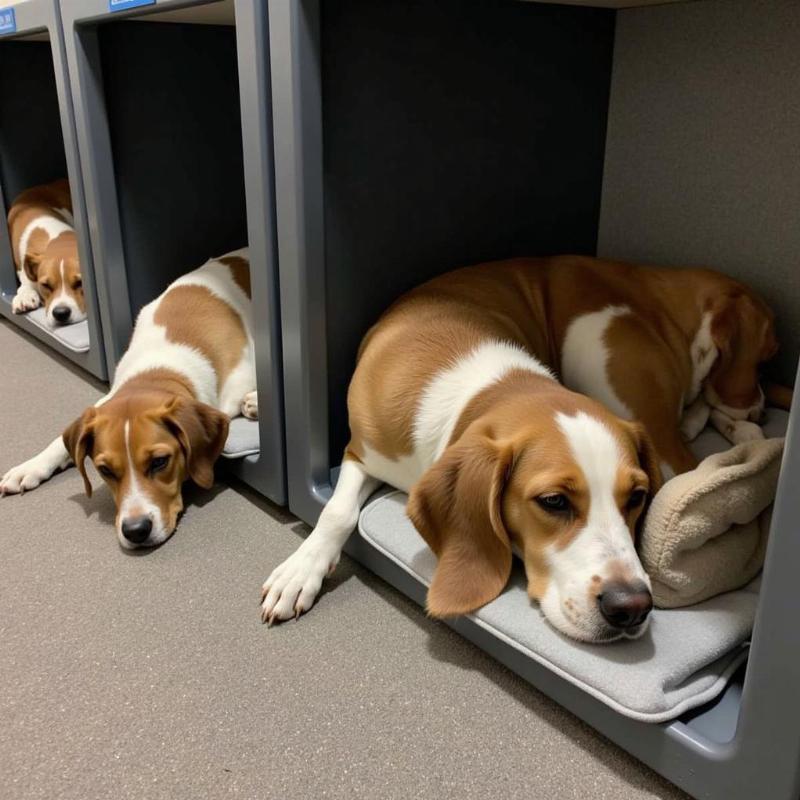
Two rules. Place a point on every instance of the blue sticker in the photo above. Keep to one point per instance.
(122, 5)
(8, 22)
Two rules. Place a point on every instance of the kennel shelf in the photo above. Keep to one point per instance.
(174, 123)
(38, 145)
(746, 744)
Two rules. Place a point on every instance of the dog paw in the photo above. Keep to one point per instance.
(292, 587)
(22, 478)
(26, 299)
(250, 405)
(743, 431)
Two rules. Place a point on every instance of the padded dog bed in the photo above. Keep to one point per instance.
(75, 337)
(242, 438)
(683, 661)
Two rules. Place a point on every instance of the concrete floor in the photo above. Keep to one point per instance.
(152, 677)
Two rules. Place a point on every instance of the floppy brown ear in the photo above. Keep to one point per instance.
(725, 323)
(456, 507)
(30, 265)
(648, 456)
(201, 431)
(78, 439)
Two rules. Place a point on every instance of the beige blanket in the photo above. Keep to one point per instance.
(706, 530)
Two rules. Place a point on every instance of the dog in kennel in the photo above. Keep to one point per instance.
(45, 250)
(454, 400)
(189, 368)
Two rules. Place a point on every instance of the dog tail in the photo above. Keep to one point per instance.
(778, 396)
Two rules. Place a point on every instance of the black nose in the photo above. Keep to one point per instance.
(61, 313)
(137, 529)
(625, 605)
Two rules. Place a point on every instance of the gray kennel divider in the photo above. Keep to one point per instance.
(174, 126)
(373, 135)
(38, 145)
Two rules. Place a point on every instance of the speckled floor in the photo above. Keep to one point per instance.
(152, 676)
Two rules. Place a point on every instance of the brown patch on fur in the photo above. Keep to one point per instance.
(240, 270)
(193, 316)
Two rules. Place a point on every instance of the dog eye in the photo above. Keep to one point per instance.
(636, 499)
(555, 503)
(77, 283)
(158, 463)
(46, 286)
(106, 472)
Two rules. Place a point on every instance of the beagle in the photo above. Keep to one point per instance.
(190, 366)
(451, 401)
(46, 254)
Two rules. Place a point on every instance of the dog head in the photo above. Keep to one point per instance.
(145, 447)
(566, 484)
(742, 329)
(59, 282)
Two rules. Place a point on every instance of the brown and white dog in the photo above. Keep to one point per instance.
(46, 254)
(450, 401)
(190, 366)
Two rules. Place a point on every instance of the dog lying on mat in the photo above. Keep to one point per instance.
(453, 401)
(46, 254)
(190, 366)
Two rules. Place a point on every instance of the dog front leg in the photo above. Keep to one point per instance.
(291, 588)
(735, 431)
(36, 470)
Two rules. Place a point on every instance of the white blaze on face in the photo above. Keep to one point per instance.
(605, 540)
(64, 298)
(137, 504)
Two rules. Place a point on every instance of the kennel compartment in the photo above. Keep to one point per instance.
(412, 138)
(37, 145)
(173, 114)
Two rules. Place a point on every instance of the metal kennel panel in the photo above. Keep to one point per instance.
(172, 101)
(38, 145)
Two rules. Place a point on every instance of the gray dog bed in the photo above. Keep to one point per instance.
(242, 438)
(75, 337)
(684, 660)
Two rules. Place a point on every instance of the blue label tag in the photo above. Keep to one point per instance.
(8, 22)
(122, 5)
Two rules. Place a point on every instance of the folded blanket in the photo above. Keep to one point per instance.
(706, 530)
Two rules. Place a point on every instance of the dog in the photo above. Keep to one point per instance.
(189, 368)
(45, 252)
(451, 401)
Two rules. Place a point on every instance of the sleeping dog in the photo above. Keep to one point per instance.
(190, 366)
(452, 401)
(46, 254)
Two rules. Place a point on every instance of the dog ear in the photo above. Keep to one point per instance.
(456, 506)
(201, 431)
(648, 456)
(30, 265)
(78, 439)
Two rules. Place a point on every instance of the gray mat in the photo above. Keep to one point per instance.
(684, 660)
(243, 438)
(75, 337)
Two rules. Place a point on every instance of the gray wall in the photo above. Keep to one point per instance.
(703, 146)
